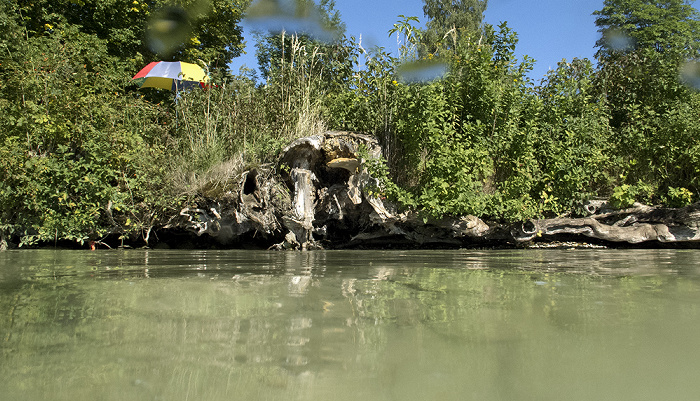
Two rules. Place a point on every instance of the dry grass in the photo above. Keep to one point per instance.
(214, 182)
(236, 125)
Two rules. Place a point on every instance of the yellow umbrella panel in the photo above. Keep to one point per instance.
(171, 75)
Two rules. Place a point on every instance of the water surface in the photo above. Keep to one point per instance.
(337, 325)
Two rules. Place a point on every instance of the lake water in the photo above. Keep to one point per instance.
(583, 324)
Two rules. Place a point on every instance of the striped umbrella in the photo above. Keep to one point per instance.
(171, 75)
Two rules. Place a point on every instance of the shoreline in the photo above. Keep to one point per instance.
(321, 195)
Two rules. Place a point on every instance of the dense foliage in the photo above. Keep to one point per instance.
(482, 139)
(448, 19)
(137, 32)
(669, 26)
(274, 48)
(82, 154)
(85, 155)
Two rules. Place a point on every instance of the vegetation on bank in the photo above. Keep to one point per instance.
(85, 154)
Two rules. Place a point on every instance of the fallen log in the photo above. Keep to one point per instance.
(634, 226)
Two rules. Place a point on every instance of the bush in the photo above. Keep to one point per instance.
(679, 197)
(81, 158)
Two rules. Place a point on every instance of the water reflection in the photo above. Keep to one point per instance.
(221, 325)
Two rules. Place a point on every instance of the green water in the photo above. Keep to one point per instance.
(356, 325)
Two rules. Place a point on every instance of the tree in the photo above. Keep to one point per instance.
(197, 29)
(643, 46)
(662, 26)
(449, 20)
(274, 48)
(80, 156)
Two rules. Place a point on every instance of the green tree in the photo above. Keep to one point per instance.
(275, 48)
(462, 143)
(178, 30)
(573, 145)
(448, 21)
(80, 157)
(662, 26)
(642, 48)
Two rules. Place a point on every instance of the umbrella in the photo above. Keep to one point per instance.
(171, 75)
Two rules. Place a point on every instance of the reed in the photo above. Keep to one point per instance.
(238, 124)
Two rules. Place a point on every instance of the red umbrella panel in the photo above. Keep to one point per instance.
(171, 75)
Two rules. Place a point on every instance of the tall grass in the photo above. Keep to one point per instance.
(237, 124)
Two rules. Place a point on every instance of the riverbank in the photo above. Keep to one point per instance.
(321, 195)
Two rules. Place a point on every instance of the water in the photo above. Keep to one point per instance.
(356, 325)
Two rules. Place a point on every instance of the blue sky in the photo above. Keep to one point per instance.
(548, 30)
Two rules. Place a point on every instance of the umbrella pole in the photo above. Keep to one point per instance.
(176, 113)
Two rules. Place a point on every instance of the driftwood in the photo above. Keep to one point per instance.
(318, 197)
(635, 225)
